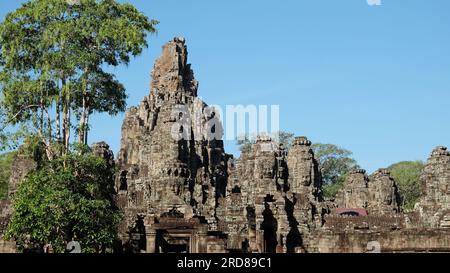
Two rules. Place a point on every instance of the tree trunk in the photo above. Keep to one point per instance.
(68, 123)
(49, 125)
(58, 119)
(82, 129)
(49, 147)
(66, 117)
(41, 116)
(41, 131)
(87, 124)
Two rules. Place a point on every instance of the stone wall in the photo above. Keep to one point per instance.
(408, 240)
(5, 213)
(22, 165)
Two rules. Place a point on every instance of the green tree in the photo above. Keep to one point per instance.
(330, 190)
(407, 175)
(52, 57)
(245, 143)
(335, 162)
(286, 138)
(56, 204)
(6, 160)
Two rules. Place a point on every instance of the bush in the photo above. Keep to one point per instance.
(71, 197)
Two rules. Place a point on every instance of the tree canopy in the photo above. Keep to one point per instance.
(55, 63)
(284, 138)
(334, 162)
(407, 175)
(53, 55)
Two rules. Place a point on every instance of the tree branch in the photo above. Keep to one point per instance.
(18, 113)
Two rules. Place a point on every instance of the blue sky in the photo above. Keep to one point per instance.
(372, 79)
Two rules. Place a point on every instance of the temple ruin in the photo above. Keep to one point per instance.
(191, 196)
(188, 195)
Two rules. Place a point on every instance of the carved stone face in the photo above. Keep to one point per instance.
(388, 201)
(268, 173)
(306, 180)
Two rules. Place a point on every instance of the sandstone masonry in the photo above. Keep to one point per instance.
(191, 196)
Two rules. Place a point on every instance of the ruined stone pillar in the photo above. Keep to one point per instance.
(261, 247)
(202, 244)
(150, 236)
(252, 240)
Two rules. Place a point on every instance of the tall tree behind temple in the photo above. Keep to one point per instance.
(407, 175)
(52, 55)
(284, 138)
(335, 162)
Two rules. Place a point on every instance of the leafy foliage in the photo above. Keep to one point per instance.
(69, 197)
(52, 58)
(335, 162)
(10, 137)
(286, 139)
(245, 143)
(407, 175)
(330, 190)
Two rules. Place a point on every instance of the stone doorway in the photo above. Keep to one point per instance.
(168, 242)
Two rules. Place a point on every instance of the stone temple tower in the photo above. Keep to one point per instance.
(377, 194)
(383, 196)
(434, 207)
(180, 191)
(355, 192)
(172, 172)
(304, 198)
(304, 175)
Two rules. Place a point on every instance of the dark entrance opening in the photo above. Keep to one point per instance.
(165, 243)
(269, 225)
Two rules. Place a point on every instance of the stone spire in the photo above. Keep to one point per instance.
(304, 175)
(171, 72)
(163, 175)
(434, 207)
(354, 193)
(383, 193)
